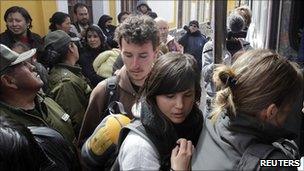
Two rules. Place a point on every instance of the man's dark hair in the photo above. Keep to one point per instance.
(121, 14)
(138, 30)
(79, 5)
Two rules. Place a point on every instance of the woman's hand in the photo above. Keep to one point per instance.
(181, 155)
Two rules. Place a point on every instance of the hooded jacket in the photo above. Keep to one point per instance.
(228, 138)
(108, 31)
(140, 3)
(88, 55)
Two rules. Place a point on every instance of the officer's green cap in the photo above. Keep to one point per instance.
(57, 39)
(9, 58)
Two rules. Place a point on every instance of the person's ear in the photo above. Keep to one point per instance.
(57, 26)
(270, 113)
(8, 81)
(71, 45)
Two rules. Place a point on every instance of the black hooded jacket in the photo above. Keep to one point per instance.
(108, 31)
(88, 55)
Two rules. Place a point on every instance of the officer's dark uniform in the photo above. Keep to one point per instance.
(46, 113)
(70, 90)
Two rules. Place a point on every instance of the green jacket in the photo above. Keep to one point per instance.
(68, 87)
(46, 113)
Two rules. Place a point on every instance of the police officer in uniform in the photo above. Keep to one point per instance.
(67, 85)
(20, 98)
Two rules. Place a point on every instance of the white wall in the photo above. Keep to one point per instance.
(98, 10)
(164, 9)
(62, 6)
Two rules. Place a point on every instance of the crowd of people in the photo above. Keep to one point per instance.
(55, 91)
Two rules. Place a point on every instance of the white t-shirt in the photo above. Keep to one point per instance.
(137, 154)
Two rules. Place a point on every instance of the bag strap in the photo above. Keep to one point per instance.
(252, 155)
(288, 147)
(116, 105)
(255, 152)
(111, 88)
(137, 127)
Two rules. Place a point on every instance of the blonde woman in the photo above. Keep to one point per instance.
(257, 96)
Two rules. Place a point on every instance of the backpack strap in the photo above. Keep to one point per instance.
(255, 152)
(252, 155)
(288, 147)
(137, 127)
(111, 90)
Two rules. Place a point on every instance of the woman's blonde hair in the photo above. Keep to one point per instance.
(257, 79)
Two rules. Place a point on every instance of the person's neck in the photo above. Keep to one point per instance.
(70, 61)
(138, 83)
(23, 100)
(18, 36)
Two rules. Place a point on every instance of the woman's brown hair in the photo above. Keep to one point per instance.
(257, 79)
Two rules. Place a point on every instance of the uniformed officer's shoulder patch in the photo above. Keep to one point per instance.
(65, 75)
(64, 79)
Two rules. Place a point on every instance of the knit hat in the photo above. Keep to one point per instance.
(194, 22)
(58, 39)
(9, 57)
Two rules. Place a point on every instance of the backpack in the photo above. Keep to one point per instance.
(137, 127)
(255, 152)
(98, 152)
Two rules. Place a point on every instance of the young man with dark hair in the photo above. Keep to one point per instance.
(138, 39)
